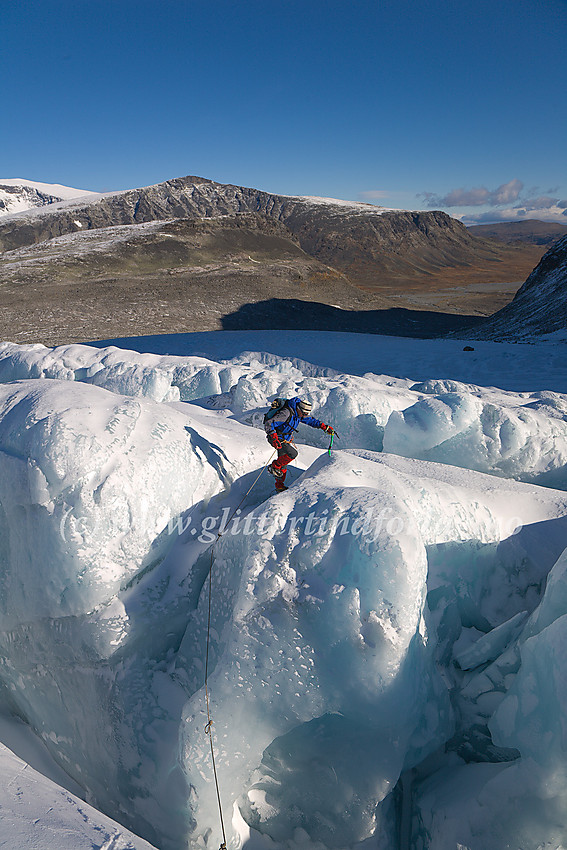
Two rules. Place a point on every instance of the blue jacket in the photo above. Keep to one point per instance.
(286, 421)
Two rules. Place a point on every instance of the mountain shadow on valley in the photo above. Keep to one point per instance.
(294, 314)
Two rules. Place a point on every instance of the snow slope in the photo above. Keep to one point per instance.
(38, 813)
(351, 206)
(63, 193)
(386, 636)
(18, 195)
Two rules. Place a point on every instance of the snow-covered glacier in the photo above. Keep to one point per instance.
(386, 663)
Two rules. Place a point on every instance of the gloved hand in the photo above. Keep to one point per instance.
(274, 440)
(328, 429)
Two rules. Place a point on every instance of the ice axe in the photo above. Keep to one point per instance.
(333, 435)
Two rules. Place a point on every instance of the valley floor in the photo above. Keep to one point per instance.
(38, 306)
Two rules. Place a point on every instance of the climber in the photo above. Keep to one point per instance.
(280, 422)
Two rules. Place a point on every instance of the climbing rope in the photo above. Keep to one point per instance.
(208, 727)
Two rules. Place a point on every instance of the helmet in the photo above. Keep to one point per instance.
(304, 407)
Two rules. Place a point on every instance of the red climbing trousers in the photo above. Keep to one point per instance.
(287, 453)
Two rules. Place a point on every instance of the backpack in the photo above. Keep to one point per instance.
(277, 405)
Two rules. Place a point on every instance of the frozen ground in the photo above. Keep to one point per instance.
(387, 661)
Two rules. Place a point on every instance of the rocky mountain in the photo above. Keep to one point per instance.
(230, 272)
(369, 244)
(539, 307)
(17, 195)
(513, 232)
(191, 254)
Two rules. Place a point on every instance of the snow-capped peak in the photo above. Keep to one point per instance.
(18, 195)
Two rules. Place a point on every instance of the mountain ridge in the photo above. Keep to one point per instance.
(532, 231)
(190, 254)
(369, 244)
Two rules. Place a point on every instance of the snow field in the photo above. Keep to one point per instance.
(388, 621)
(30, 195)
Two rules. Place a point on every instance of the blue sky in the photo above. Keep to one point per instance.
(447, 104)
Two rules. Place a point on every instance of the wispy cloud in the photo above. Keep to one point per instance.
(507, 193)
(508, 202)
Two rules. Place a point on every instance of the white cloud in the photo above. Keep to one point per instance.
(552, 213)
(544, 202)
(508, 202)
(481, 196)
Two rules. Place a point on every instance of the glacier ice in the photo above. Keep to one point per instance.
(387, 635)
(522, 803)
(358, 406)
(319, 661)
(526, 441)
(88, 484)
(511, 434)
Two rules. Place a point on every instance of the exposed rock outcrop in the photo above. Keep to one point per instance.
(539, 307)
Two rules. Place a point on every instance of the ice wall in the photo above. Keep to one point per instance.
(319, 661)
(527, 441)
(89, 482)
(521, 803)
(325, 684)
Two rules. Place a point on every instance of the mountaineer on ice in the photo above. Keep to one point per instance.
(280, 423)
